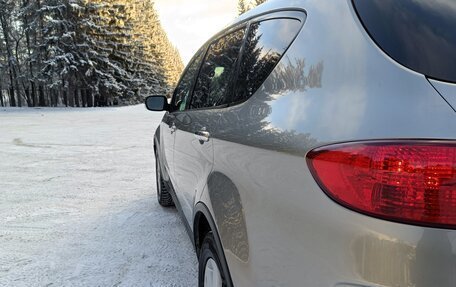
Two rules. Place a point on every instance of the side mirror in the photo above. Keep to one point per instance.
(157, 103)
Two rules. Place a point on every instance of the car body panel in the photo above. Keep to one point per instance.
(295, 233)
(277, 227)
(354, 93)
(167, 137)
(193, 159)
(447, 90)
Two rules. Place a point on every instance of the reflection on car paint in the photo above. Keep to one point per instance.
(229, 215)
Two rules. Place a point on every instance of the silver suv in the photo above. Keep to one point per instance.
(312, 143)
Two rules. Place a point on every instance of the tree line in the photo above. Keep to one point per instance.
(83, 53)
(246, 5)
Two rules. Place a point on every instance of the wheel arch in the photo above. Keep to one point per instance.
(202, 224)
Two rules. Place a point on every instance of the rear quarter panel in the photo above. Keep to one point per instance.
(333, 85)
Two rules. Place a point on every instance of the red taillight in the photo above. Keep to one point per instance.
(410, 182)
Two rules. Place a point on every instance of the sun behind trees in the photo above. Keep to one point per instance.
(83, 53)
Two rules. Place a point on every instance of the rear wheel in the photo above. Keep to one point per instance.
(210, 271)
(163, 195)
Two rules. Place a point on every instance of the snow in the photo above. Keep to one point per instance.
(78, 202)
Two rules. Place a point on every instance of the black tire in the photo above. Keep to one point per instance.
(163, 195)
(209, 251)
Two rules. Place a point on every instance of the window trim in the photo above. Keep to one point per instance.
(203, 51)
(302, 22)
(290, 13)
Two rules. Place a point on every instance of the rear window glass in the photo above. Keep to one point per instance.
(419, 34)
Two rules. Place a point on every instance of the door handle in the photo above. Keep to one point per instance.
(203, 136)
(173, 128)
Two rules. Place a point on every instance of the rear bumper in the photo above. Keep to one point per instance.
(346, 249)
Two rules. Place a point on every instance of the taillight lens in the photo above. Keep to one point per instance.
(410, 182)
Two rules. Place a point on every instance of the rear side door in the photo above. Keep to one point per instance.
(181, 97)
(193, 149)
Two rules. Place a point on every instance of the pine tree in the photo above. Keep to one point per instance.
(242, 7)
(83, 52)
(259, 2)
(152, 72)
(29, 20)
(7, 8)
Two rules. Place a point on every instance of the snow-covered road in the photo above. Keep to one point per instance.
(78, 202)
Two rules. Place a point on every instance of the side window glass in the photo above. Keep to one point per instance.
(183, 92)
(266, 43)
(213, 84)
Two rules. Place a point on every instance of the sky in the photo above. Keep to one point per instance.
(190, 23)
